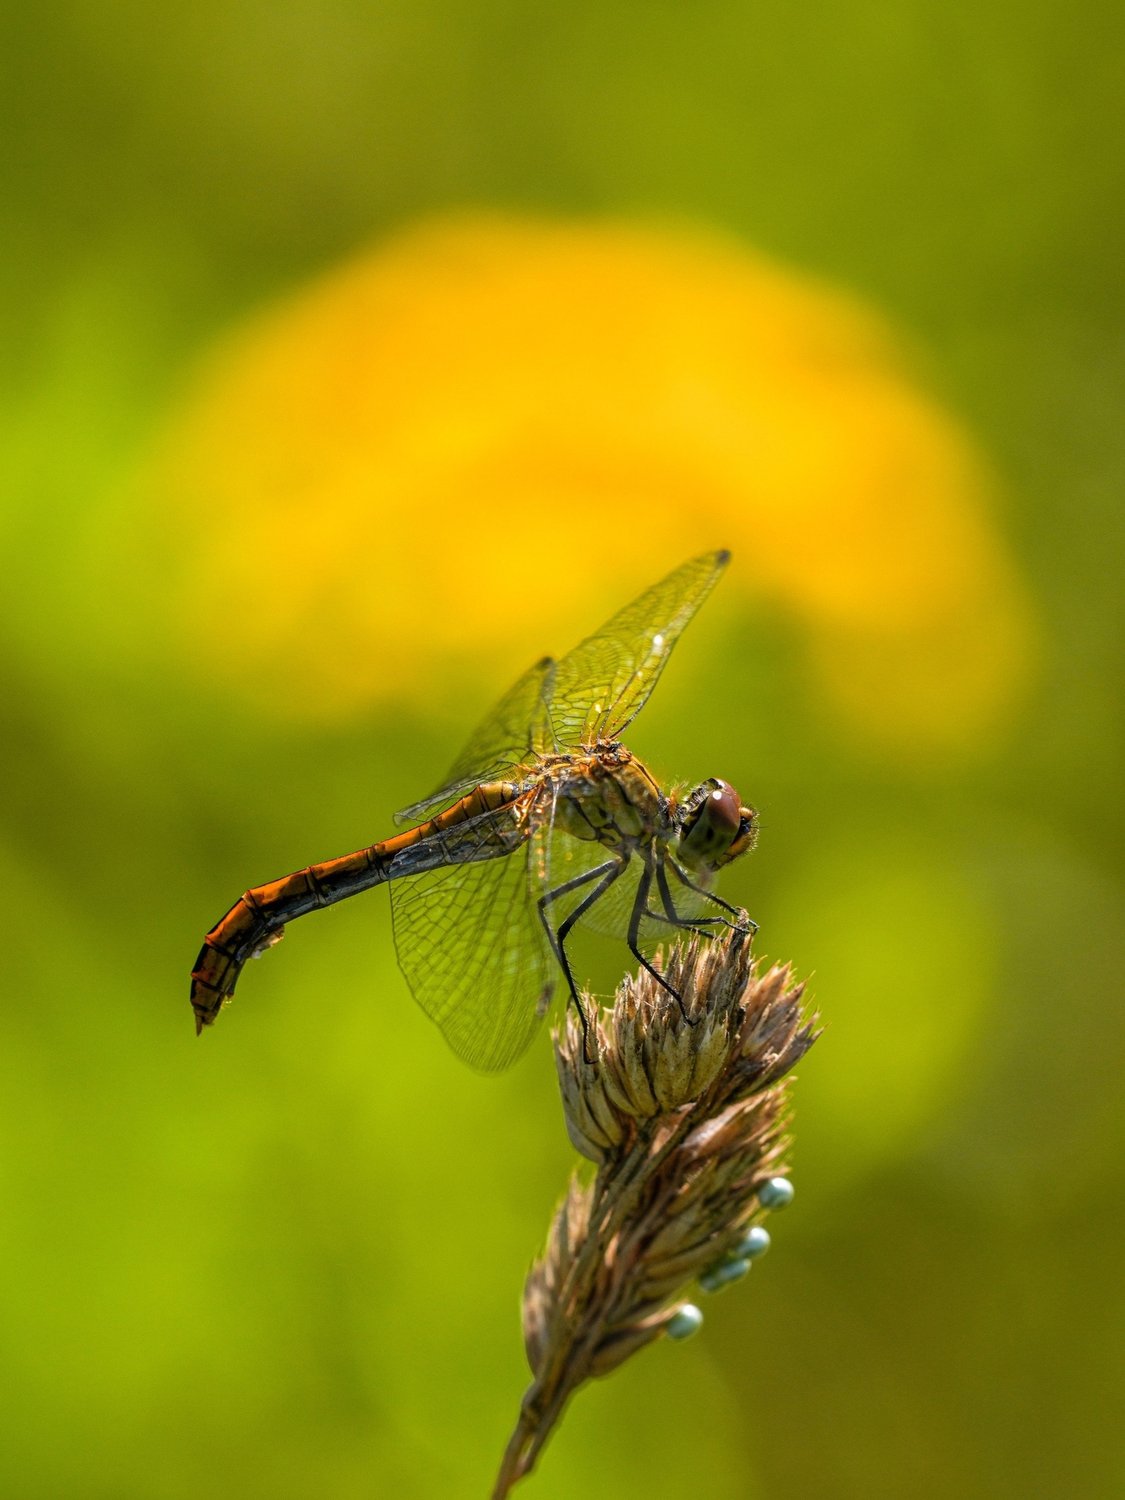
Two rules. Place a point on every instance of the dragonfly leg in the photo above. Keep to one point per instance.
(670, 916)
(744, 924)
(640, 910)
(605, 875)
(692, 924)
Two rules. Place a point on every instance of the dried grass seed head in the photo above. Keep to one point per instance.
(731, 1031)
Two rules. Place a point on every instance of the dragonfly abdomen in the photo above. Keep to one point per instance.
(257, 919)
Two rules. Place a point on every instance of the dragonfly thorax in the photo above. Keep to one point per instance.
(607, 795)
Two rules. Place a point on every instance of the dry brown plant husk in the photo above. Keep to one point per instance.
(683, 1109)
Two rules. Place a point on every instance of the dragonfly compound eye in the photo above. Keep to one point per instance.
(715, 827)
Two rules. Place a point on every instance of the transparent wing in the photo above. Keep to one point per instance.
(600, 686)
(500, 742)
(474, 953)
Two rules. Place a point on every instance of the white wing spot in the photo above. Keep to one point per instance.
(658, 643)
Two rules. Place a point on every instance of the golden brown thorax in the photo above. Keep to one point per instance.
(607, 795)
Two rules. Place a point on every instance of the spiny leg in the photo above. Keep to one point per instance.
(692, 924)
(744, 924)
(605, 874)
(671, 916)
(668, 916)
(640, 910)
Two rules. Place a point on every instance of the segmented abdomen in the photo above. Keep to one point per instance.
(256, 920)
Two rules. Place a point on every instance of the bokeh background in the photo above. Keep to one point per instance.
(354, 356)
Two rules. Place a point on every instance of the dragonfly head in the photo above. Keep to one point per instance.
(715, 826)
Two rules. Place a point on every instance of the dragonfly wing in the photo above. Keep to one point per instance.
(601, 686)
(475, 955)
(502, 740)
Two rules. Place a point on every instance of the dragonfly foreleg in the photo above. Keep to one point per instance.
(671, 916)
(605, 874)
(743, 924)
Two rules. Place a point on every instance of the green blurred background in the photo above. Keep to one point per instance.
(285, 1260)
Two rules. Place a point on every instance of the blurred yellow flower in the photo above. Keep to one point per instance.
(492, 430)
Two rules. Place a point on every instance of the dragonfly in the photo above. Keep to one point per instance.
(545, 820)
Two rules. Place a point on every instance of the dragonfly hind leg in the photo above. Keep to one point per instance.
(604, 874)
